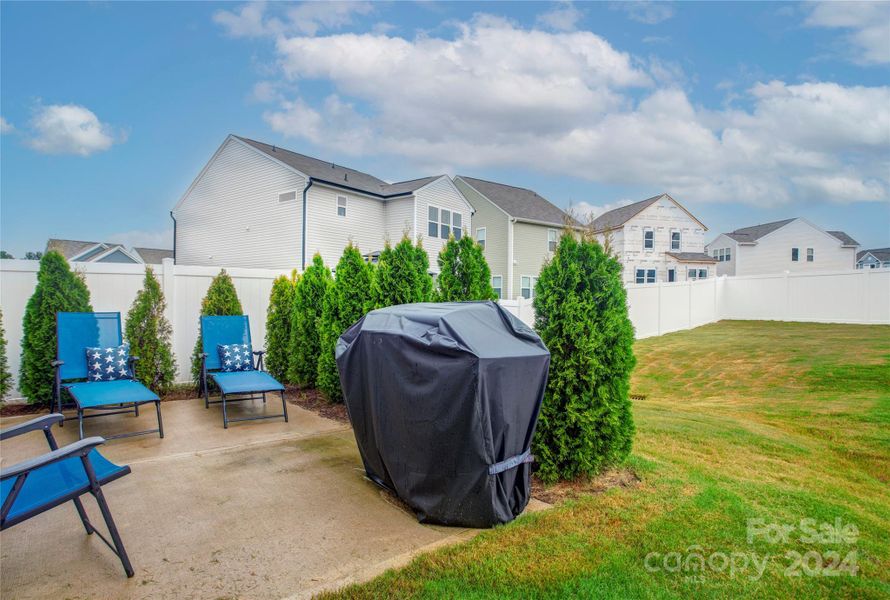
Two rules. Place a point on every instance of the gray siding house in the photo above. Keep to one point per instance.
(518, 228)
(261, 206)
(876, 258)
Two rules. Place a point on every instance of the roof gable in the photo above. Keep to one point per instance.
(519, 203)
(879, 254)
(845, 239)
(617, 217)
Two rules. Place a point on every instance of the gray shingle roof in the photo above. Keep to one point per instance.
(755, 232)
(882, 254)
(519, 203)
(692, 257)
(619, 216)
(843, 237)
(153, 256)
(339, 175)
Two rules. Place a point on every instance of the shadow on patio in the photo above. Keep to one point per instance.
(265, 509)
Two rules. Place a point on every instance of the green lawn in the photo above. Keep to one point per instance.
(741, 420)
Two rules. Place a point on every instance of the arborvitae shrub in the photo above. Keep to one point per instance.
(58, 290)
(150, 336)
(5, 375)
(305, 344)
(348, 299)
(402, 275)
(221, 300)
(278, 325)
(581, 314)
(463, 272)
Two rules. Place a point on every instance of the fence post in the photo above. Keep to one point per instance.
(689, 305)
(787, 296)
(658, 312)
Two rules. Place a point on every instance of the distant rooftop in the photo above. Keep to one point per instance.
(85, 251)
(520, 203)
(749, 235)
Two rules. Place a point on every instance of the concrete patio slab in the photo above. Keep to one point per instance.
(265, 509)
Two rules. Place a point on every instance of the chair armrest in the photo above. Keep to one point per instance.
(44, 422)
(57, 363)
(259, 352)
(78, 448)
(259, 366)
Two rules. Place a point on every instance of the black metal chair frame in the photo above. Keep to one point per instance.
(224, 398)
(81, 449)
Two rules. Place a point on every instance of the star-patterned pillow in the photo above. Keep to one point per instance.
(235, 357)
(108, 364)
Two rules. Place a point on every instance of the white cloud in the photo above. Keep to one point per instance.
(563, 17)
(70, 129)
(586, 212)
(6, 126)
(255, 19)
(868, 24)
(643, 11)
(162, 238)
(568, 103)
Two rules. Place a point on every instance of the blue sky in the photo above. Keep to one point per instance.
(745, 112)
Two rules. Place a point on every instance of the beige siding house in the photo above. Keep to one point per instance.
(518, 228)
(656, 240)
(258, 205)
(794, 245)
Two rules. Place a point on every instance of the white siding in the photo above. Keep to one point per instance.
(328, 233)
(443, 194)
(231, 217)
(772, 253)
(399, 217)
(726, 267)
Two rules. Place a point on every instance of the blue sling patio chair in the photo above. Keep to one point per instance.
(38, 484)
(244, 384)
(75, 332)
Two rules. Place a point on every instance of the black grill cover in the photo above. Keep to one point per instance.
(443, 399)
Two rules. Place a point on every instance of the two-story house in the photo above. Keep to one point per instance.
(794, 245)
(258, 205)
(518, 230)
(656, 240)
(875, 258)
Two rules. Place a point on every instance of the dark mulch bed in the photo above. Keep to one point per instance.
(313, 400)
(16, 410)
(570, 490)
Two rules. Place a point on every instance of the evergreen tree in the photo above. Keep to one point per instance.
(278, 325)
(150, 336)
(58, 290)
(402, 274)
(221, 300)
(5, 375)
(305, 344)
(580, 304)
(463, 272)
(348, 299)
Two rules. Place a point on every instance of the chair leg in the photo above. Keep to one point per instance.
(225, 414)
(136, 408)
(80, 420)
(112, 529)
(206, 395)
(284, 406)
(264, 397)
(83, 516)
(160, 422)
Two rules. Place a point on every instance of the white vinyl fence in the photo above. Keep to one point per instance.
(113, 288)
(855, 296)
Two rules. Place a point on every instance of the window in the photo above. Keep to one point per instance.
(811, 255)
(650, 276)
(675, 240)
(645, 276)
(497, 282)
(728, 255)
(441, 223)
(672, 275)
(715, 252)
(691, 274)
(721, 256)
(433, 227)
(287, 196)
(795, 254)
(702, 273)
(527, 286)
(341, 206)
(551, 240)
(481, 232)
(648, 239)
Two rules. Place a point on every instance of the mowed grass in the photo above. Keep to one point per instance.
(741, 420)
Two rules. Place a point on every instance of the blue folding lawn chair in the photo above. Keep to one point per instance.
(89, 388)
(38, 484)
(219, 336)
